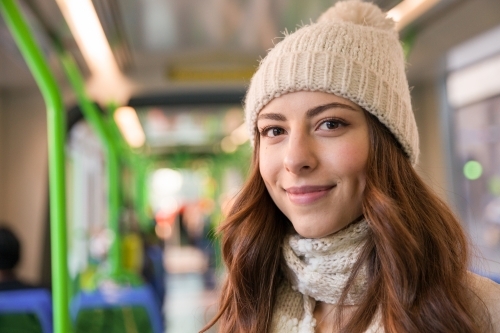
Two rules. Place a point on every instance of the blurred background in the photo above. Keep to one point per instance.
(167, 78)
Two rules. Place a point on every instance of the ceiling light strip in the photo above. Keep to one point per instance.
(89, 35)
(409, 10)
(129, 125)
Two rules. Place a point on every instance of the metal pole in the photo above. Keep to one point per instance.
(56, 130)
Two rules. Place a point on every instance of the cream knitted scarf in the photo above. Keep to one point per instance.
(317, 270)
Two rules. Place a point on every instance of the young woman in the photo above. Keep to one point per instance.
(334, 231)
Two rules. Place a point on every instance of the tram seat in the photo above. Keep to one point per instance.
(141, 297)
(37, 302)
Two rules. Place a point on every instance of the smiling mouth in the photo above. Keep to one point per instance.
(307, 194)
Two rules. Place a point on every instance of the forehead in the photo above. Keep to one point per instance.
(305, 100)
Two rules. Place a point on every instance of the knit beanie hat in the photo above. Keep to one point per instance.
(352, 51)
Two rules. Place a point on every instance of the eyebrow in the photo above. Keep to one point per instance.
(320, 108)
(310, 113)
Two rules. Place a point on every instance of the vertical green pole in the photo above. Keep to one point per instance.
(139, 167)
(114, 210)
(56, 129)
(96, 121)
(141, 196)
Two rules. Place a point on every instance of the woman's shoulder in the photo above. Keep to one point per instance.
(489, 293)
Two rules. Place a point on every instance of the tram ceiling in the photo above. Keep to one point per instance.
(180, 44)
(176, 38)
(189, 40)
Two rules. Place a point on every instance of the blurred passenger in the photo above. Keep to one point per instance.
(335, 231)
(199, 231)
(10, 254)
(208, 243)
(133, 252)
(193, 220)
(153, 269)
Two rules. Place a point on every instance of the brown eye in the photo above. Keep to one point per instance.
(272, 132)
(331, 124)
(275, 131)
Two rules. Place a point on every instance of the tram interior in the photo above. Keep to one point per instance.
(168, 80)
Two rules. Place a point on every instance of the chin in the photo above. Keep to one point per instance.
(311, 233)
(308, 228)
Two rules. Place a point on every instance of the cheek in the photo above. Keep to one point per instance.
(266, 164)
(350, 158)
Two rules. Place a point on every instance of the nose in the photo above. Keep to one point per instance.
(300, 154)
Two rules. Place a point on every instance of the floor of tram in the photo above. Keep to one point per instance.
(189, 305)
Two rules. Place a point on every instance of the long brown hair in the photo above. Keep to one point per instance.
(417, 253)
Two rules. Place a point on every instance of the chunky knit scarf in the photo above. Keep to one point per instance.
(317, 270)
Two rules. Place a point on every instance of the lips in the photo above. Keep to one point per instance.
(304, 195)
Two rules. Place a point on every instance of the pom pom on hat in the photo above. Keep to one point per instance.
(358, 12)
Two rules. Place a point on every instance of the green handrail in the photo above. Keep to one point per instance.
(96, 121)
(141, 196)
(139, 166)
(56, 130)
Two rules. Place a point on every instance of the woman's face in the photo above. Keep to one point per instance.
(312, 157)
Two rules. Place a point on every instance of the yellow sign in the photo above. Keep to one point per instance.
(210, 73)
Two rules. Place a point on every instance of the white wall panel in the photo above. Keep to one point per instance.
(25, 174)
